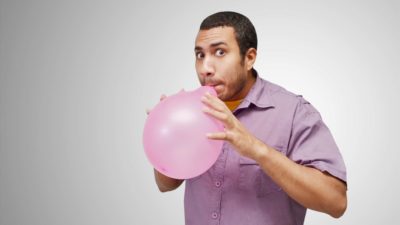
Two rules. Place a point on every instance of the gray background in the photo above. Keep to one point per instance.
(76, 77)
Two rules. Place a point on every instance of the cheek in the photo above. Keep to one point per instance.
(197, 69)
(226, 71)
(201, 79)
(198, 75)
(230, 75)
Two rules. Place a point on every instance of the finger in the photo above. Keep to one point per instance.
(162, 97)
(221, 116)
(148, 111)
(217, 136)
(213, 102)
(214, 99)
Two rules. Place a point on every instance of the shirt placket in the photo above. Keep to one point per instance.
(218, 179)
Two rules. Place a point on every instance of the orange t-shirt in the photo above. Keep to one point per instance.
(233, 104)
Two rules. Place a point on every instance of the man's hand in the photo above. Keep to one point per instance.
(234, 132)
(162, 97)
(164, 183)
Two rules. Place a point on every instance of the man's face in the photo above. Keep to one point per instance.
(219, 63)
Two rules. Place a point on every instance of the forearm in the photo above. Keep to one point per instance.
(165, 183)
(308, 186)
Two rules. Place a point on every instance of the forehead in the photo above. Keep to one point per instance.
(205, 38)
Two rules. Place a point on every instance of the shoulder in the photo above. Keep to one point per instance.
(283, 99)
(279, 95)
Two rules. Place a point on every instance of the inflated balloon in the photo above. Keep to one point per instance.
(174, 136)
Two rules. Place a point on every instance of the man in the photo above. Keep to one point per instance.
(278, 158)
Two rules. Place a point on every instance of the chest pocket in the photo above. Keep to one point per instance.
(253, 179)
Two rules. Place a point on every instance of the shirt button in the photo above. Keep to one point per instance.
(217, 184)
(214, 215)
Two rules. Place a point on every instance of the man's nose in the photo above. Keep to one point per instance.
(207, 67)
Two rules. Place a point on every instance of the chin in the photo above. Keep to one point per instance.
(220, 93)
(222, 97)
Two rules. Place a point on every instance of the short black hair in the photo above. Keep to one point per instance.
(245, 32)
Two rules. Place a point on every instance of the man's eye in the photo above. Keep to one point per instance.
(199, 55)
(220, 52)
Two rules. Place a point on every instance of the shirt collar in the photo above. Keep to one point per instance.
(258, 95)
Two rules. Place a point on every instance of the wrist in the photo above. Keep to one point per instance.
(261, 151)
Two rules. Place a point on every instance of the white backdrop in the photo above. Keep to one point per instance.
(76, 77)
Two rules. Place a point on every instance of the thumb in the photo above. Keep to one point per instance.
(162, 97)
(148, 111)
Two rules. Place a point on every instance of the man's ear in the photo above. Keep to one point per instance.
(251, 56)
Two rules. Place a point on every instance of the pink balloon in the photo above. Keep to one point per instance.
(174, 136)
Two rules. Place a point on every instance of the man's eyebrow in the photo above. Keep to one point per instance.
(218, 43)
(213, 45)
(198, 48)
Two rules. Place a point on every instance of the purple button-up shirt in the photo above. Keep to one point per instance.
(235, 190)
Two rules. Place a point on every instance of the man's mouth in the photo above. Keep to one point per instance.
(213, 84)
(217, 87)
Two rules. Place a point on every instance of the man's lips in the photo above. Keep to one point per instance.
(213, 84)
(217, 87)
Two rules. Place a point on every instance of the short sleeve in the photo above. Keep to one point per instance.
(312, 144)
